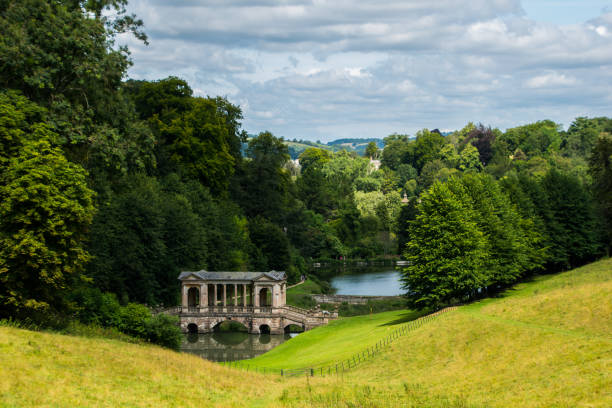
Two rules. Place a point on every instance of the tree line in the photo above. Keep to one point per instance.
(111, 186)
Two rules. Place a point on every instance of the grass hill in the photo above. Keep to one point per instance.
(545, 343)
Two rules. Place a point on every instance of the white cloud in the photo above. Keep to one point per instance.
(552, 79)
(323, 69)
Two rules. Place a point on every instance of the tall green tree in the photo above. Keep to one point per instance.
(371, 150)
(600, 168)
(266, 184)
(61, 58)
(447, 250)
(571, 223)
(46, 208)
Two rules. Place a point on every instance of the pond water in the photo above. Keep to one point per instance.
(368, 282)
(231, 346)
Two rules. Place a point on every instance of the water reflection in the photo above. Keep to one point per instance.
(231, 346)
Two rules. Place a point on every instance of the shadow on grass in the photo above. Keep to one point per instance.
(409, 316)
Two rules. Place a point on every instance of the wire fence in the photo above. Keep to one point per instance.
(344, 365)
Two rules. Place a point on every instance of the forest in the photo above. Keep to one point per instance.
(110, 186)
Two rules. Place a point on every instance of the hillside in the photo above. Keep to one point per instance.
(296, 147)
(545, 343)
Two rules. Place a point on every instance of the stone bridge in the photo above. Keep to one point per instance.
(254, 299)
(273, 320)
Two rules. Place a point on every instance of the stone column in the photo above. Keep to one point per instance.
(256, 296)
(214, 302)
(184, 300)
(224, 295)
(235, 294)
(244, 293)
(203, 295)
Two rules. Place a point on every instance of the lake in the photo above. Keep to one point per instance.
(368, 281)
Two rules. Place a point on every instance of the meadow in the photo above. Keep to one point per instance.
(544, 343)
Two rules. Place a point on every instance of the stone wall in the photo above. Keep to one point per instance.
(350, 299)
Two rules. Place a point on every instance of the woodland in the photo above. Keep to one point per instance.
(110, 186)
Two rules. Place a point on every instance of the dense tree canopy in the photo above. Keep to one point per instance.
(179, 185)
(46, 208)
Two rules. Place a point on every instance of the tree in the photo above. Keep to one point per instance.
(482, 138)
(266, 184)
(371, 150)
(600, 169)
(427, 147)
(61, 58)
(199, 143)
(314, 158)
(397, 150)
(45, 210)
(509, 256)
(429, 173)
(469, 159)
(272, 243)
(447, 250)
(535, 138)
(582, 135)
(571, 222)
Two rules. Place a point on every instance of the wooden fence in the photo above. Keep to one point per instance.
(340, 367)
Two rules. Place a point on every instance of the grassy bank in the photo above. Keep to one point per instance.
(334, 342)
(300, 296)
(545, 343)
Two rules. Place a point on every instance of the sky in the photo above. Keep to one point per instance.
(329, 69)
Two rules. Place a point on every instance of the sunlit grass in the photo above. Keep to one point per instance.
(339, 340)
(546, 343)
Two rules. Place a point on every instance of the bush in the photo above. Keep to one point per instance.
(163, 330)
(134, 319)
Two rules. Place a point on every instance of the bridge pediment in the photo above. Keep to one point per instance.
(263, 278)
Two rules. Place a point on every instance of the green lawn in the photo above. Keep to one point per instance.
(300, 295)
(334, 342)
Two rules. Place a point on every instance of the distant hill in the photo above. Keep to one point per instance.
(297, 146)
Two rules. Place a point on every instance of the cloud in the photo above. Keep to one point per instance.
(550, 80)
(323, 69)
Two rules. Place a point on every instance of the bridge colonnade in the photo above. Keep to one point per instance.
(233, 294)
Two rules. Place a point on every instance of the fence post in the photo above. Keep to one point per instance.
(312, 372)
(282, 372)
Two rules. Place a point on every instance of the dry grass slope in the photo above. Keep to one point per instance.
(546, 343)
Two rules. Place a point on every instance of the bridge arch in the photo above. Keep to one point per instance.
(236, 325)
(192, 328)
(264, 329)
(294, 328)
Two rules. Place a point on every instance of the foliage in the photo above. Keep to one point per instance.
(270, 244)
(447, 252)
(600, 169)
(45, 210)
(534, 139)
(371, 150)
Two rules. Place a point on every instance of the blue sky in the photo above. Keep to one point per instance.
(328, 69)
(564, 11)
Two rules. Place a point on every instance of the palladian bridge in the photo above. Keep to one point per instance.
(255, 299)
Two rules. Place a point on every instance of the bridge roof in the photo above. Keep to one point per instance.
(234, 276)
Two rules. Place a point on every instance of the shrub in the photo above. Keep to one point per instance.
(163, 330)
